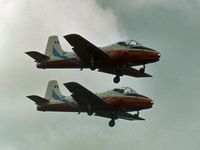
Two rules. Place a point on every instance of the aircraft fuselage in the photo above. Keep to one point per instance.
(115, 103)
(121, 57)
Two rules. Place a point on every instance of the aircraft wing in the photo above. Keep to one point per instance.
(83, 96)
(86, 50)
(37, 99)
(125, 71)
(118, 115)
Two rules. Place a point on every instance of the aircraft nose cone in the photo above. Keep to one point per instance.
(152, 102)
(159, 54)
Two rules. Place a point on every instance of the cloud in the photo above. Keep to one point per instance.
(24, 26)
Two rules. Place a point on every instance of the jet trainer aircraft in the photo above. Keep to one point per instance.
(113, 104)
(116, 59)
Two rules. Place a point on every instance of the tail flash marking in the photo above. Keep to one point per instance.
(62, 99)
(54, 49)
(53, 41)
(57, 54)
(56, 97)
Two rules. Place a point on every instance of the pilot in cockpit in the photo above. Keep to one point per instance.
(125, 90)
(129, 43)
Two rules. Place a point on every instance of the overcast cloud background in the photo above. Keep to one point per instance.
(172, 27)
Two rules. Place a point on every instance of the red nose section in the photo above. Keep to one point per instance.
(151, 102)
(156, 55)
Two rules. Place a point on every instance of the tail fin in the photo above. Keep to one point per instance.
(53, 91)
(53, 94)
(54, 48)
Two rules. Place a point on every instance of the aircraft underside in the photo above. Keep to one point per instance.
(67, 108)
(108, 112)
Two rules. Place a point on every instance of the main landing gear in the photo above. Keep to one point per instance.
(111, 123)
(137, 115)
(89, 111)
(116, 79)
(92, 63)
(118, 72)
(142, 69)
(92, 68)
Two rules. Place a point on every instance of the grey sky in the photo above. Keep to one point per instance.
(170, 27)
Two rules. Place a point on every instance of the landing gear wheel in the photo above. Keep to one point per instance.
(90, 113)
(111, 123)
(116, 79)
(142, 69)
(92, 68)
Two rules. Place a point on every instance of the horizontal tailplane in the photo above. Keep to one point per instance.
(37, 56)
(38, 100)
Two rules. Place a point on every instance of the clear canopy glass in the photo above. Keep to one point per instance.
(129, 43)
(125, 90)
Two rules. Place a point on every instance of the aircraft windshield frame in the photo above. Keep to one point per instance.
(129, 43)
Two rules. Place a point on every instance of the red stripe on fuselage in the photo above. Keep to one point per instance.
(129, 103)
(134, 57)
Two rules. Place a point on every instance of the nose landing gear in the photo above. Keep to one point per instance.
(142, 69)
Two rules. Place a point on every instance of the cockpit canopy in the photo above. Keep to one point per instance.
(125, 90)
(129, 43)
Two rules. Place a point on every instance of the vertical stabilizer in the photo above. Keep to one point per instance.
(53, 94)
(53, 91)
(54, 48)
